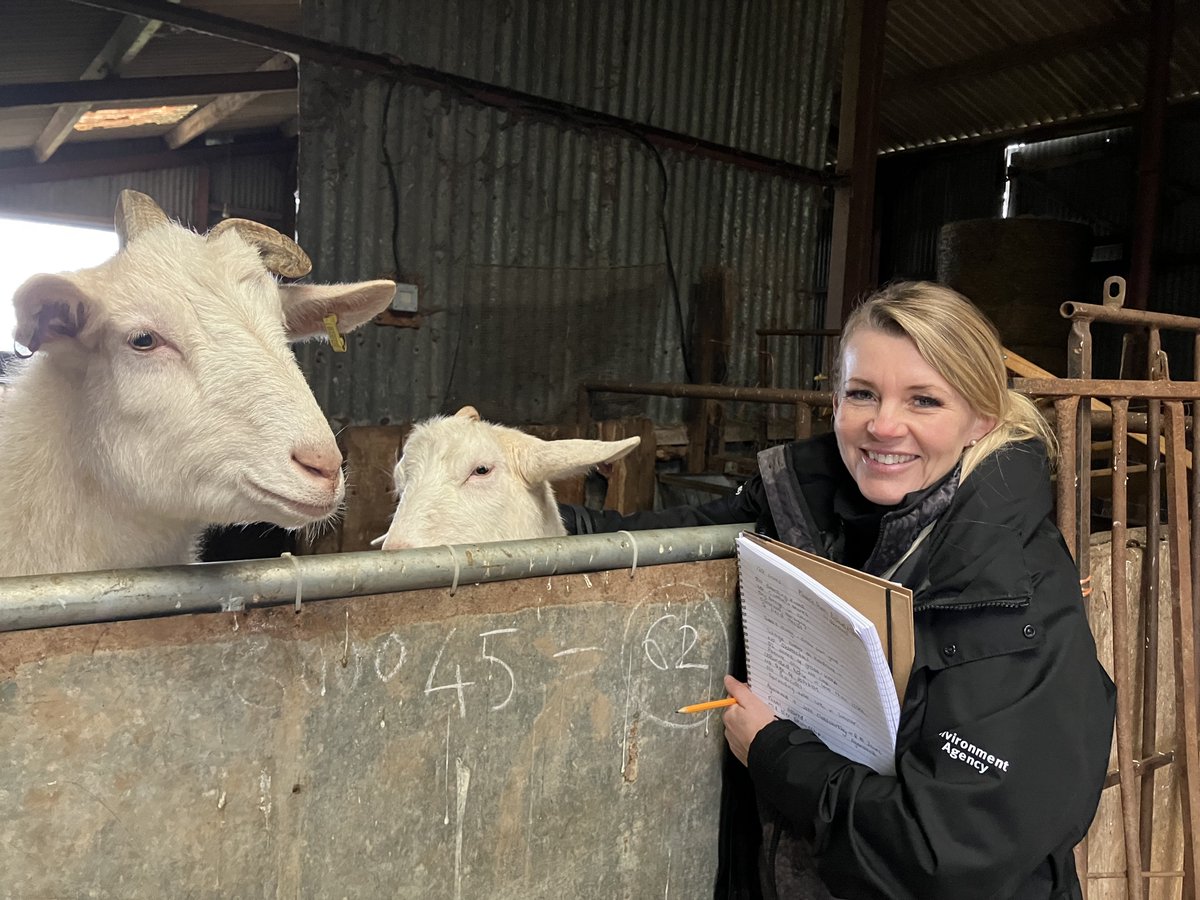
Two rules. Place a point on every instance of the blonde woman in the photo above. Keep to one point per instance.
(938, 476)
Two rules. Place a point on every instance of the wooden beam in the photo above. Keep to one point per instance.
(216, 111)
(137, 89)
(124, 44)
(121, 48)
(851, 265)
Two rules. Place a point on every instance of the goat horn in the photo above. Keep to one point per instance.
(136, 213)
(280, 254)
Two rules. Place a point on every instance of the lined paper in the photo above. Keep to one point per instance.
(816, 660)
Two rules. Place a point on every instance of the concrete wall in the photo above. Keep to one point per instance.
(511, 740)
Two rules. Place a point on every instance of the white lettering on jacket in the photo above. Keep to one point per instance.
(975, 757)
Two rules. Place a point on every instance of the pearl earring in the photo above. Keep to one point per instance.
(973, 442)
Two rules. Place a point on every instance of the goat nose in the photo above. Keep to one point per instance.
(322, 462)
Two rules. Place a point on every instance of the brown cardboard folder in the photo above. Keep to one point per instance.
(887, 604)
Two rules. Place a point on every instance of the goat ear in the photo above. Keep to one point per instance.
(51, 308)
(305, 306)
(468, 412)
(540, 460)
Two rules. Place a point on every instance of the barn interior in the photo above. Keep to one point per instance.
(652, 219)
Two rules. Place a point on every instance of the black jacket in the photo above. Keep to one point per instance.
(1006, 726)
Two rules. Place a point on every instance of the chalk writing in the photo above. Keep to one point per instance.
(512, 679)
(669, 653)
(385, 654)
(654, 650)
(456, 685)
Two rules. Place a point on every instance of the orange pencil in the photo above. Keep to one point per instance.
(707, 705)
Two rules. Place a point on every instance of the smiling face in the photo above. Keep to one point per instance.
(900, 425)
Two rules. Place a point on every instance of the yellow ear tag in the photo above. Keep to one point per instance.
(336, 341)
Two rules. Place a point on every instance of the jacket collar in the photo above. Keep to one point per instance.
(976, 552)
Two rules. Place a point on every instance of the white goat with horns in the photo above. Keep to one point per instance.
(462, 480)
(161, 396)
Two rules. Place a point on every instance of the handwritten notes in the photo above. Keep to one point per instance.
(815, 660)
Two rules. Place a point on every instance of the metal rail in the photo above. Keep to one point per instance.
(77, 598)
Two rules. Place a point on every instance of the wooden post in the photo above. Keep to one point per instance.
(712, 325)
(851, 264)
(370, 452)
(632, 479)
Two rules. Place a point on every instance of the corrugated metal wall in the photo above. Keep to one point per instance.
(92, 200)
(572, 216)
(254, 186)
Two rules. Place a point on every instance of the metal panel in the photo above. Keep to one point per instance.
(92, 200)
(252, 187)
(256, 187)
(482, 187)
(508, 740)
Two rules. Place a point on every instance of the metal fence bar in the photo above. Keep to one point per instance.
(77, 598)
(1185, 649)
(1122, 617)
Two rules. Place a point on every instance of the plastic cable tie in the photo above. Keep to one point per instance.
(454, 582)
(299, 577)
(633, 544)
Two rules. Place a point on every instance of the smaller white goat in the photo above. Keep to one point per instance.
(462, 480)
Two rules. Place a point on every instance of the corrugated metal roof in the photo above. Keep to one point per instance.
(955, 70)
(548, 207)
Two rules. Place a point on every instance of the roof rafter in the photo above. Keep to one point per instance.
(209, 115)
(125, 43)
(160, 87)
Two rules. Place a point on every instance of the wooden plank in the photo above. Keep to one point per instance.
(712, 326)
(216, 111)
(125, 43)
(631, 481)
(370, 452)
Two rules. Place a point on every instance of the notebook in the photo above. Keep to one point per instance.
(828, 647)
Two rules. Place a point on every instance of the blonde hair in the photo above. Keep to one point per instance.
(962, 346)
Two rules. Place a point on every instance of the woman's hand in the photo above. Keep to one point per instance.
(746, 719)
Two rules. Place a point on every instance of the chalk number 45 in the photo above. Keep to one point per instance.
(458, 684)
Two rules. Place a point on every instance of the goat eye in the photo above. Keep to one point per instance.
(482, 470)
(143, 340)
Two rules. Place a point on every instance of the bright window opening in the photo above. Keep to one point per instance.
(29, 248)
(98, 119)
(1005, 203)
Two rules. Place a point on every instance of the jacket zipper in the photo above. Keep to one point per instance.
(1003, 604)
